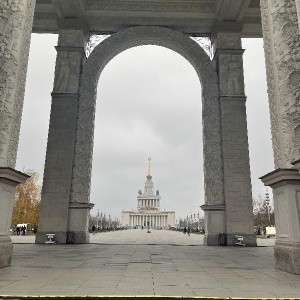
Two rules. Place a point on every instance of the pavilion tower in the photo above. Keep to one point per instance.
(148, 208)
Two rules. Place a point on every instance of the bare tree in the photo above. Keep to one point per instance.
(262, 210)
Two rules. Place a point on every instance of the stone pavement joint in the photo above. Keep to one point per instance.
(133, 264)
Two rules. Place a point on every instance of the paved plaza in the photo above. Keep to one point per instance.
(135, 262)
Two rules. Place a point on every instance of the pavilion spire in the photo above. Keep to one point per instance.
(149, 166)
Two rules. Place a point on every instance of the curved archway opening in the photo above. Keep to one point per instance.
(148, 104)
(184, 46)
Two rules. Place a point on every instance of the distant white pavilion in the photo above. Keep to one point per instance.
(148, 210)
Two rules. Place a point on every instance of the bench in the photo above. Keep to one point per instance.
(50, 236)
(239, 240)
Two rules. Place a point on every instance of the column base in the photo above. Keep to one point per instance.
(214, 240)
(63, 237)
(60, 237)
(287, 257)
(81, 238)
(211, 239)
(248, 239)
(214, 223)
(6, 249)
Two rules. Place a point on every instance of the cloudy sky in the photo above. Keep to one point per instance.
(148, 104)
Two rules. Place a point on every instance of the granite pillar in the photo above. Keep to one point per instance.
(280, 27)
(60, 212)
(228, 59)
(16, 24)
(286, 193)
(9, 179)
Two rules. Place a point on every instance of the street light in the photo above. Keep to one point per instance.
(97, 218)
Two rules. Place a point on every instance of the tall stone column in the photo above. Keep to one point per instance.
(298, 12)
(59, 213)
(16, 23)
(280, 26)
(238, 209)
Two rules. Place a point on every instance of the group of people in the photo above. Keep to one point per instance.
(20, 230)
(187, 230)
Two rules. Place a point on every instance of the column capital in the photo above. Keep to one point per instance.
(226, 38)
(227, 27)
(73, 37)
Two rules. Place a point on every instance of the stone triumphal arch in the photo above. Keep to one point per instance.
(228, 202)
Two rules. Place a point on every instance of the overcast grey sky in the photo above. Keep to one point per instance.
(148, 104)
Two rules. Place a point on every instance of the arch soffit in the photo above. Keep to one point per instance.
(189, 49)
(150, 35)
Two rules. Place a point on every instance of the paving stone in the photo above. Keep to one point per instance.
(120, 263)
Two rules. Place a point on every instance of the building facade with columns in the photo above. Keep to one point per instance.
(148, 210)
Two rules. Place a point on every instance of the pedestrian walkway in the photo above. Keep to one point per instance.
(134, 262)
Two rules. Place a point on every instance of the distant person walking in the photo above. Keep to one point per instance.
(23, 230)
(184, 230)
(18, 230)
(188, 230)
(94, 229)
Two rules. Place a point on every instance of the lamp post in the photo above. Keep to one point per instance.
(97, 218)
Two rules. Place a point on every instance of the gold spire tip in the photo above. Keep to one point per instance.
(149, 159)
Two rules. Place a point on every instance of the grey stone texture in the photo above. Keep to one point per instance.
(280, 24)
(9, 179)
(286, 192)
(60, 210)
(236, 166)
(16, 24)
(54, 208)
(6, 251)
(281, 44)
(287, 256)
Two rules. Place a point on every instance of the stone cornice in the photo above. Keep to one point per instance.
(78, 205)
(281, 177)
(12, 176)
(207, 207)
